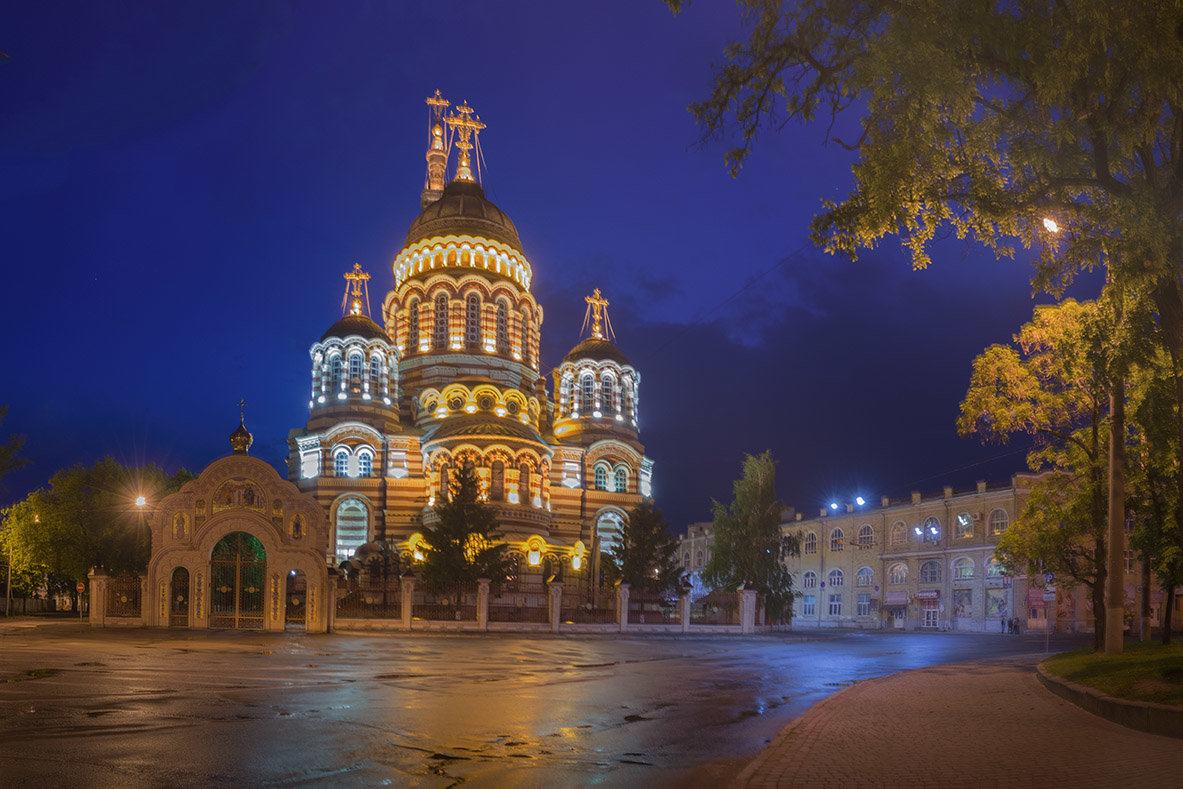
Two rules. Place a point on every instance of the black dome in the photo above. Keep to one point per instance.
(597, 349)
(464, 211)
(355, 325)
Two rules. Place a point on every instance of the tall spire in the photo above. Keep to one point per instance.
(437, 151)
(597, 314)
(467, 124)
(357, 285)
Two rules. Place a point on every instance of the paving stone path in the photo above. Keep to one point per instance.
(989, 724)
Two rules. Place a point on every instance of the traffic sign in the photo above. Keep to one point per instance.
(81, 587)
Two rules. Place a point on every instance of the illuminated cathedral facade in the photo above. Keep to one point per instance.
(451, 377)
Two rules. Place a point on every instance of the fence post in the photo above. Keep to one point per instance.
(747, 609)
(622, 605)
(482, 604)
(98, 596)
(331, 596)
(684, 608)
(408, 598)
(556, 604)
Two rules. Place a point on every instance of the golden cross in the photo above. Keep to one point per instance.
(241, 409)
(358, 278)
(467, 123)
(597, 304)
(437, 103)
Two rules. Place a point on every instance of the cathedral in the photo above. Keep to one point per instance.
(451, 377)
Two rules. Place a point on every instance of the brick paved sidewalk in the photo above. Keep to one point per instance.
(979, 724)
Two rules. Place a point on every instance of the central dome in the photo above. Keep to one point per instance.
(464, 211)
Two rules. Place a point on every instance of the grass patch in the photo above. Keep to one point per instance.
(1143, 672)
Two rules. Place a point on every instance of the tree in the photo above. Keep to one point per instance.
(457, 549)
(646, 557)
(10, 449)
(86, 518)
(988, 119)
(749, 546)
(1052, 385)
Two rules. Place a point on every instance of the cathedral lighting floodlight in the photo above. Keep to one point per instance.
(576, 562)
(534, 558)
(833, 505)
(918, 531)
(141, 501)
(1050, 225)
(859, 500)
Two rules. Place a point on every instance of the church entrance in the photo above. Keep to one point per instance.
(238, 568)
(296, 605)
(178, 607)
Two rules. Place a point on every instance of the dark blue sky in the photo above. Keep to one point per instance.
(182, 187)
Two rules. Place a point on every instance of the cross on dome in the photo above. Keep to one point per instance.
(356, 281)
(597, 313)
(467, 124)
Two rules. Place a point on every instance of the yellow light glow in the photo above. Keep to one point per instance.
(577, 562)
(418, 555)
(534, 558)
(1050, 225)
(141, 501)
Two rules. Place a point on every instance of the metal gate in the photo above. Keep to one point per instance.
(296, 606)
(238, 569)
(178, 607)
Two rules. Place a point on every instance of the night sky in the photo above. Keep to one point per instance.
(182, 187)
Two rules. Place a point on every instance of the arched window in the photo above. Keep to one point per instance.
(836, 542)
(994, 568)
(899, 533)
(608, 528)
(601, 477)
(365, 463)
(930, 573)
(865, 577)
(809, 580)
(439, 331)
(376, 374)
(810, 544)
(352, 527)
(497, 481)
(565, 396)
(445, 483)
(686, 561)
(355, 369)
(502, 326)
(865, 536)
(963, 568)
(626, 397)
(897, 574)
(606, 399)
(999, 520)
(835, 578)
(341, 463)
(621, 480)
(472, 320)
(587, 394)
(335, 371)
(931, 531)
(965, 524)
(524, 492)
(525, 339)
(413, 326)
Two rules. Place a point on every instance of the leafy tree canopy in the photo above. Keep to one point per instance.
(749, 546)
(458, 550)
(10, 459)
(646, 557)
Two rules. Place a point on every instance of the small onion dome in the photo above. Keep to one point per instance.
(355, 326)
(464, 211)
(598, 350)
(241, 439)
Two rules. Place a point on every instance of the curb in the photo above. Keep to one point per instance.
(1150, 717)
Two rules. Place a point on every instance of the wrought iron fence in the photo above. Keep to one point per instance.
(520, 600)
(374, 600)
(455, 605)
(123, 596)
(647, 609)
(715, 611)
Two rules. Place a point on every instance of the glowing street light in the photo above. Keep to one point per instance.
(859, 500)
(141, 501)
(1050, 225)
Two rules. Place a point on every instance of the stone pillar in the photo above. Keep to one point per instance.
(332, 583)
(684, 609)
(556, 604)
(482, 604)
(622, 605)
(747, 609)
(408, 598)
(98, 596)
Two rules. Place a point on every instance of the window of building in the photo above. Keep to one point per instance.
(621, 480)
(525, 337)
(835, 578)
(930, 573)
(685, 561)
(587, 394)
(472, 320)
(809, 580)
(931, 531)
(810, 545)
(999, 520)
(994, 569)
(698, 558)
(865, 577)
(439, 332)
(866, 537)
(376, 374)
(352, 527)
(897, 574)
(606, 399)
(413, 326)
(341, 463)
(335, 372)
(809, 605)
(899, 533)
(524, 492)
(963, 568)
(502, 326)
(608, 528)
(864, 604)
(497, 480)
(601, 477)
(1129, 561)
(965, 525)
(445, 483)
(835, 605)
(365, 463)
(565, 396)
(836, 540)
(355, 369)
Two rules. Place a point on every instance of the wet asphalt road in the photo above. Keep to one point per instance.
(85, 707)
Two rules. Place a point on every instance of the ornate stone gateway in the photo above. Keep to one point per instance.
(178, 610)
(238, 570)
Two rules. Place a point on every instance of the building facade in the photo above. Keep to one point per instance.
(451, 377)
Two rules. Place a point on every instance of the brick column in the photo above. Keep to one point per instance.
(747, 609)
(622, 605)
(98, 596)
(684, 609)
(408, 598)
(556, 604)
(482, 604)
